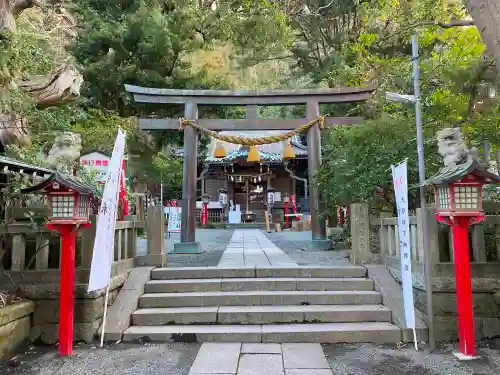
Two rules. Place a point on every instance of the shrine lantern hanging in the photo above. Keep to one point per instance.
(69, 199)
(459, 191)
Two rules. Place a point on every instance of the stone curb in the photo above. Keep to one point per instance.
(119, 314)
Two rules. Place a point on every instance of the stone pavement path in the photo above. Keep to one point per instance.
(251, 248)
(260, 359)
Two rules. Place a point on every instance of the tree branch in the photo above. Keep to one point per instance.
(456, 23)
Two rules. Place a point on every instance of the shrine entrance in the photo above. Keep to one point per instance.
(191, 125)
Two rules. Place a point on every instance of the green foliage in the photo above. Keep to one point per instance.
(372, 43)
(166, 170)
(148, 43)
(358, 159)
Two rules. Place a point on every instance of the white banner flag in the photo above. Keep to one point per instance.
(102, 257)
(399, 175)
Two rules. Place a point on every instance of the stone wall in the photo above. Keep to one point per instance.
(15, 325)
(486, 305)
(486, 314)
(88, 313)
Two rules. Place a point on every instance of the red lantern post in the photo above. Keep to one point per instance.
(286, 200)
(204, 209)
(69, 210)
(340, 216)
(458, 193)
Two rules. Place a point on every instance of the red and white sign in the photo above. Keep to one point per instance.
(174, 220)
(98, 162)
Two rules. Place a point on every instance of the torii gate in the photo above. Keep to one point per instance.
(191, 99)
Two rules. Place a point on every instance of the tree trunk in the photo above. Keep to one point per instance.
(486, 15)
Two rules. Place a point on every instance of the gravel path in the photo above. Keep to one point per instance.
(122, 359)
(366, 359)
(212, 241)
(294, 243)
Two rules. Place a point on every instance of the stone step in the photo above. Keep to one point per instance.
(251, 284)
(253, 272)
(261, 314)
(376, 332)
(257, 298)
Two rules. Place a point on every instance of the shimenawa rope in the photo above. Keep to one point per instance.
(253, 141)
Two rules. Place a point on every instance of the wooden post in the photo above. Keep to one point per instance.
(318, 227)
(189, 175)
(268, 225)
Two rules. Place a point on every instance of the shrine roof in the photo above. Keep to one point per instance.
(18, 166)
(271, 153)
(450, 174)
(64, 179)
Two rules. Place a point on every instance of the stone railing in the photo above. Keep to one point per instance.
(375, 240)
(484, 241)
(32, 254)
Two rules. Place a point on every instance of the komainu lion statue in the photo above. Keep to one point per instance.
(65, 152)
(453, 149)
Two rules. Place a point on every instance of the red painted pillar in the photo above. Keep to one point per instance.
(464, 288)
(204, 214)
(66, 299)
(286, 215)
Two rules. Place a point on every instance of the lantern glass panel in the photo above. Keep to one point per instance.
(444, 198)
(63, 206)
(466, 197)
(83, 206)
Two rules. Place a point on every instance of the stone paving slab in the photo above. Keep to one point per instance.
(217, 358)
(261, 359)
(304, 356)
(260, 364)
(297, 371)
(250, 247)
(249, 348)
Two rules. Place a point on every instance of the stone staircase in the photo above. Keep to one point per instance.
(293, 304)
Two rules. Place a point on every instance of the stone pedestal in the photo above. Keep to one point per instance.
(187, 248)
(315, 245)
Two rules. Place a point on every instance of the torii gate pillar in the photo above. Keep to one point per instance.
(319, 240)
(188, 244)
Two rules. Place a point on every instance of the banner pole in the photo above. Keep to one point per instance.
(104, 317)
(415, 339)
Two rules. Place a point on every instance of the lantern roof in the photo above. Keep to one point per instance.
(452, 173)
(66, 180)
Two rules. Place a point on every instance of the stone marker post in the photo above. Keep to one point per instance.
(360, 231)
(156, 238)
